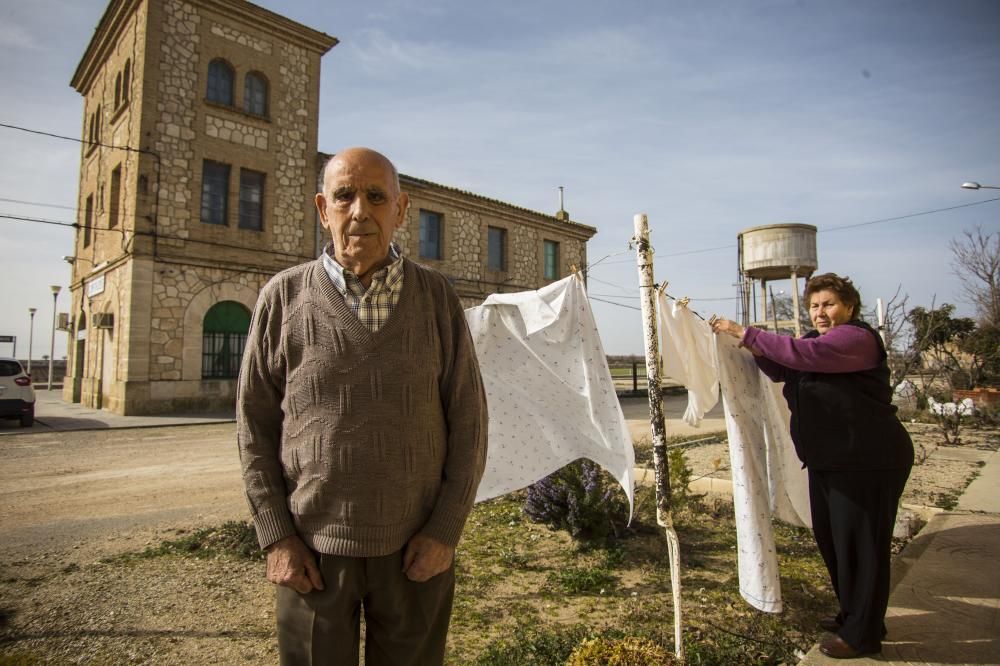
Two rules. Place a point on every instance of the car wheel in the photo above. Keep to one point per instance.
(28, 420)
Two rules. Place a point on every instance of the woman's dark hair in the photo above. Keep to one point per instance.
(842, 286)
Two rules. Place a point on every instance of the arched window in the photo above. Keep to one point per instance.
(118, 90)
(220, 82)
(255, 94)
(224, 334)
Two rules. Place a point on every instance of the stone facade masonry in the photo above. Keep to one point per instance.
(466, 219)
(236, 132)
(291, 174)
(150, 270)
(242, 38)
(176, 96)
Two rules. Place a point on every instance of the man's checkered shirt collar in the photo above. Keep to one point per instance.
(389, 276)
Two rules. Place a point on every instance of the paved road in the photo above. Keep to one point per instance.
(61, 490)
(83, 476)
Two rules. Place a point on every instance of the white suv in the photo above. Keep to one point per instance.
(17, 397)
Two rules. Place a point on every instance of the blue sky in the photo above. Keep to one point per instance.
(711, 117)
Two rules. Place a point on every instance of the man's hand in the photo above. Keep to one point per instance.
(425, 558)
(290, 563)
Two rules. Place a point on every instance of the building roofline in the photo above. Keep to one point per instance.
(421, 182)
(111, 24)
(118, 12)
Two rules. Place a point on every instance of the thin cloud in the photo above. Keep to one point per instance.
(17, 37)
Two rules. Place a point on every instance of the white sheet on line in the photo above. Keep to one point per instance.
(688, 353)
(768, 478)
(550, 393)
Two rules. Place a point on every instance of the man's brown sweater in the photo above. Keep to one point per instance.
(356, 440)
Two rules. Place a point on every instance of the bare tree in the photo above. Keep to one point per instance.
(976, 262)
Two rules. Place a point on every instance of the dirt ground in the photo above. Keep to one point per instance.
(72, 503)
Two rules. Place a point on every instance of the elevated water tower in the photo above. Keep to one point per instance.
(769, 253)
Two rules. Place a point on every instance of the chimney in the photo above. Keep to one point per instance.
(562, 214)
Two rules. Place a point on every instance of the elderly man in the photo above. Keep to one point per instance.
(362, 433)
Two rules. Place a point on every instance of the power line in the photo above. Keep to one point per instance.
(904, 217)
(83, 141)
(830, 229)
(150, 234)
(38, 203)
(39, 220)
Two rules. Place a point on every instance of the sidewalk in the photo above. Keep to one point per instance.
(52, 414)
(945, 603)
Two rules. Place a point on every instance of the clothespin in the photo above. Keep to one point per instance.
(663, 286)
(683, 302)
(575, 272)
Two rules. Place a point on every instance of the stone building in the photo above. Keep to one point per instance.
(197, 175)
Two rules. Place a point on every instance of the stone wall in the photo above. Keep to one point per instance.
(177, 94)
(466, 219)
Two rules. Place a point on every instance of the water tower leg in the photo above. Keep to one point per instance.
(795, 303)
(763, 301)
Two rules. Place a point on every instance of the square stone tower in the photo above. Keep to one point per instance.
(197, 172)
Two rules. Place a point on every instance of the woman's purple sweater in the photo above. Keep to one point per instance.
(841, 349)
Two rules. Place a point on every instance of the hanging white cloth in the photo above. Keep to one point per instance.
(688, 356)
(768, 479)
(550, 394)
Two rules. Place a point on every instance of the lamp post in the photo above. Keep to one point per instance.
(977, 186)
(31, 335)
(52, 345)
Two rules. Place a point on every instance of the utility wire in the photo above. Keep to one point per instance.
(39, 220)
(38, 203)
(76, 140)
(831, 229)
(149, 234)
(905, 217)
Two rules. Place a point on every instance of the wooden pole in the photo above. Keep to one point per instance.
(664, 517)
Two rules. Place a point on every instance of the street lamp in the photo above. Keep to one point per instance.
(31, 335)
(52, 345)
(977, 186)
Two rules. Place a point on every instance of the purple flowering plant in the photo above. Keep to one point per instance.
(582, 499)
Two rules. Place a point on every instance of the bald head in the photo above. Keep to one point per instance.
(362, 207)
(357, 157)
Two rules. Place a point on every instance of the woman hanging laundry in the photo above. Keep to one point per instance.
(858, 454)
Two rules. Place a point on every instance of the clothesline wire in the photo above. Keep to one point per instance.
(610, 284)
(632, 307)
(621, 305)
(605, 258)
(616, 296)
(594, 297)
